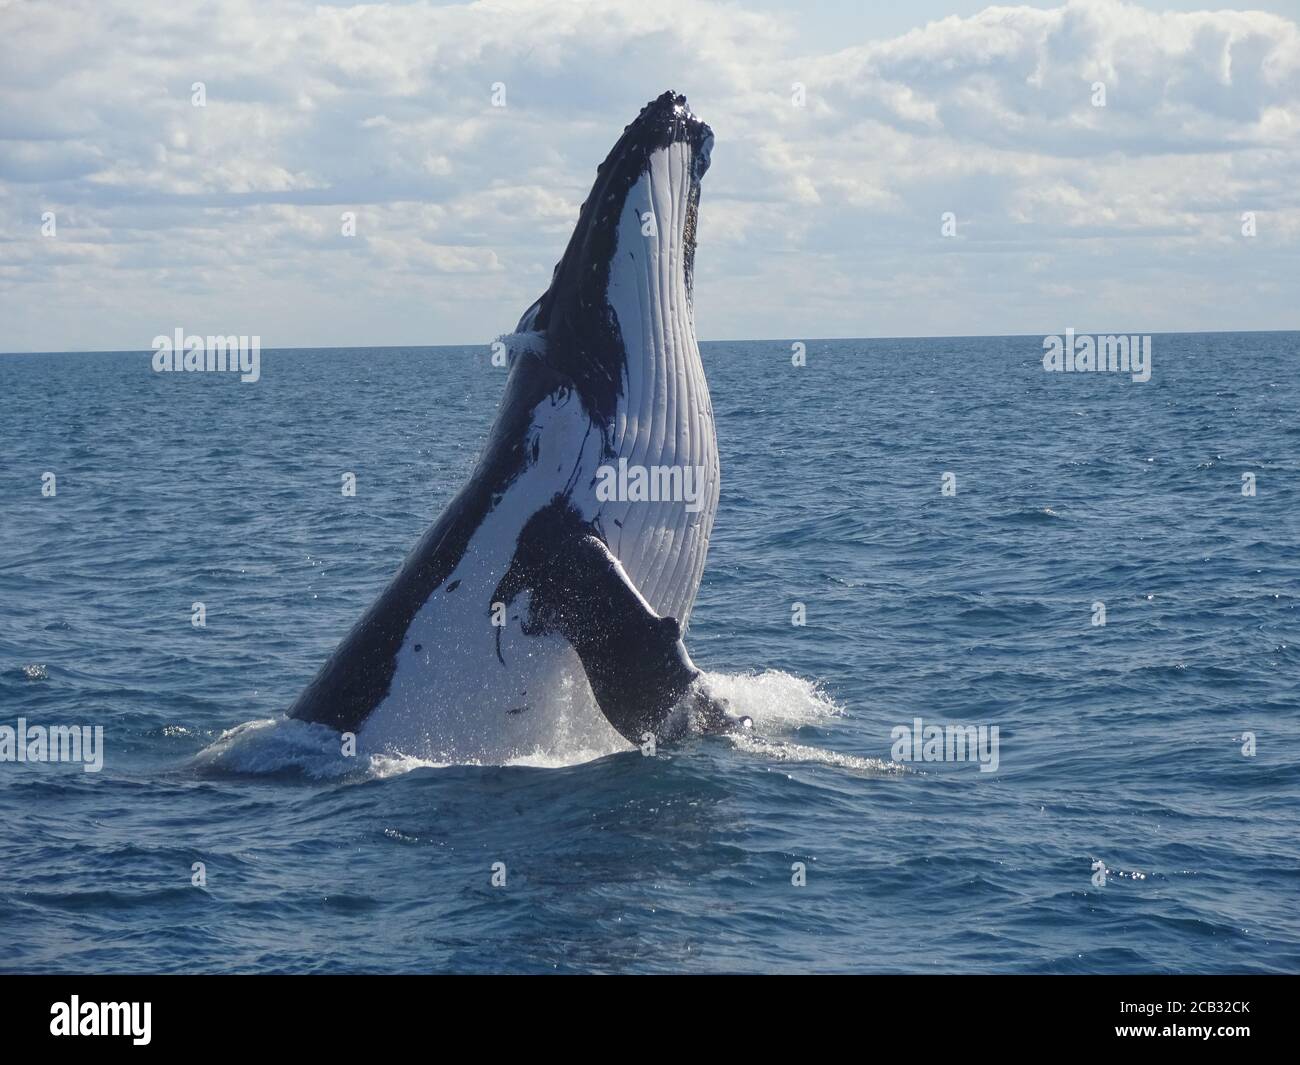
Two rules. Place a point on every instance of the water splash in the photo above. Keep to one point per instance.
(778, 703)
(281, 745)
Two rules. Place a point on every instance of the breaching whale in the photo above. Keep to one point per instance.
(544, 595)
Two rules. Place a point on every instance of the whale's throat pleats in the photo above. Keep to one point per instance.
(663, 422)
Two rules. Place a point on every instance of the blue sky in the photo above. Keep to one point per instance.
(818, 220)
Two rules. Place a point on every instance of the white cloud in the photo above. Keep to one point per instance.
(821, 220)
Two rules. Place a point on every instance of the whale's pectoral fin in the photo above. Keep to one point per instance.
(635, 660)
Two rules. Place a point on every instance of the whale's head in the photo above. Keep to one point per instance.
(624, 289)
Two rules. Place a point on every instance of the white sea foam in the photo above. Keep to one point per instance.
(784, 751)
(775, 700)
(281, 744)
(778, 703)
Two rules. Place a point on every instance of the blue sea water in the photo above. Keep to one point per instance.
(1120, 744)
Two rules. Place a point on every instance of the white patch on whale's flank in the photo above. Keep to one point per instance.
(665, 416)
(454, 699)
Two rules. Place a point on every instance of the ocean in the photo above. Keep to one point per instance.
(951, 524)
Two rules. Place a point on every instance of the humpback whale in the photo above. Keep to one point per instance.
(549, 591)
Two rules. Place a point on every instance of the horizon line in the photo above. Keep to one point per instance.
(720, 340)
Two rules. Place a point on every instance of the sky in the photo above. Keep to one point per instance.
(922, 169)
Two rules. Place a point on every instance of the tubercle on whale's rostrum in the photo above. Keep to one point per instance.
(583, 340)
